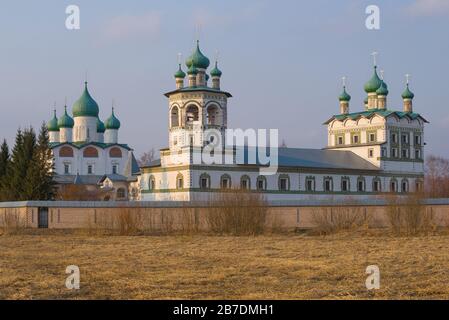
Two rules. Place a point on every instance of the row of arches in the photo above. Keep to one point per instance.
(245, 183)
(214, 115)
(89, 152)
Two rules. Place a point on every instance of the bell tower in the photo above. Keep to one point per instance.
(197, 113)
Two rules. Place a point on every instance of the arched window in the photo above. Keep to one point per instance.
(179, 181)
(261, 183)
(121, 193)
(66, 152)
(212, 115)
(284, 182)
(404, 185)
(328, 184)
(151, 183)
(245, 182)
(345, 184)
(192, 114)
(204, 181)
(393, 185)
(174, 116)
(115, 152)
(225, 181)
(377, 186)
(90, 152)
(361, 184)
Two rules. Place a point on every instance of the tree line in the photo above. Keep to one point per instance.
(26, 171)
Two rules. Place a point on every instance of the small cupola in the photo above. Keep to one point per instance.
(344, 99)
(112, 123)
(407, 97)
(65, 121)
(85, 106)
(179, 76)
(216, 73)
(52, 125)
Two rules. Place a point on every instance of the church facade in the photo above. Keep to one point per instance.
(369, 152)
(87, 151)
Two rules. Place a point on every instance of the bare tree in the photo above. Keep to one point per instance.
(437, 177)
(147, 157)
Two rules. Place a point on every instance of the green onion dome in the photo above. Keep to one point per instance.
(383, 89)
(112, 122)
(192, 70)
(85, 106)
(374, 83)
(344, 96)
(407, 94)
(215, 72)
(100, 126)
(197, 58)
(65, 121)
(366, 100)
(52, 125)
(207, 77)
(180, 73)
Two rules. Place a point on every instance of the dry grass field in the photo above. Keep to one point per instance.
(287, 266)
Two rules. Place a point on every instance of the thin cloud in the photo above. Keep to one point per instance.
(429, 8)
(127, 26)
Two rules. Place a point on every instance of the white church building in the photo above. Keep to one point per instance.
(369, 152)
(87, 151)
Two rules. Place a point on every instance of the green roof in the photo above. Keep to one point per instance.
(374, 83)
(197, 58)
(196, 89)
(192, 70)
(85, 106)
(344, 96)
(180, 73)
(383, 89)
(407, 94)
(52, 125)
(65, 121)
(371, 113)
(100, 126)
(80, 145)
(112, 122)
(215, 72)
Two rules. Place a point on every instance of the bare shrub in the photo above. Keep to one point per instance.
(12, 223)
(237, 212)
(437, 177)
(407, 215)
(167, 221)
(189, 221)
(328, 220)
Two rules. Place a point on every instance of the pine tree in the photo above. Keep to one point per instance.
(4, 163)
(39, 183)
(21, 158)
(4, 158)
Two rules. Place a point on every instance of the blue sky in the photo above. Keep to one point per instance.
(282, 61)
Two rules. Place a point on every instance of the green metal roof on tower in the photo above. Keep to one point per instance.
(180, 73)
(344, 96)
(383, 89)
(407, 94)
(215, 72)
(192, 70)
(100, 126)
(52, 125)
(85, 106)
(374, 83)
(112, 122)
(65, 121)
(197, 58)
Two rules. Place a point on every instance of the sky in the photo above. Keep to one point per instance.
(282, 61)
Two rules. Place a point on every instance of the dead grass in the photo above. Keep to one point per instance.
(211, 267)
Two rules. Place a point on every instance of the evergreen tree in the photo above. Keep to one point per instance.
(21, 159)
(4, 162)
(39, 183)
(4, 158)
